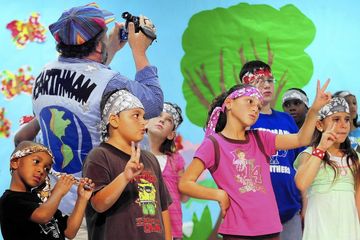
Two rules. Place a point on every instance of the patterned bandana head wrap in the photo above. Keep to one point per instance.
(26, 148)
(295, 94)
(117, 102)
(251, 77)
(175, 112)
(248, 91)
(343, 94)
(337, 104)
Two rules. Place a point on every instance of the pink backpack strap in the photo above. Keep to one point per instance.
(213, 168)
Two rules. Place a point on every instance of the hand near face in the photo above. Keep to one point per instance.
(328, 138)
(133, 167)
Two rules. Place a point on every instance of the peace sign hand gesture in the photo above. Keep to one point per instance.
(322, 97)
(133, 166)
(328, 138)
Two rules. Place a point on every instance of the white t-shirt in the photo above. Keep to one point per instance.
(162, 161)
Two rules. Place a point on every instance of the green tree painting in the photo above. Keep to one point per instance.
(218, 42)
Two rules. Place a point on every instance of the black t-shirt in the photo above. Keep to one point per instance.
(16, 209)
(137, 214)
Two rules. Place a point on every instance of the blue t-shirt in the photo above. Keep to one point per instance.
(282, 172)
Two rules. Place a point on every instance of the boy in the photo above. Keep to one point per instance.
(130, 199)
(282, 172)
(22, 213)
(296, 103)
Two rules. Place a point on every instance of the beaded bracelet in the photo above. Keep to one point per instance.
(318, 153)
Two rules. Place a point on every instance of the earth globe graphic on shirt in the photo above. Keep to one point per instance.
(67, 137)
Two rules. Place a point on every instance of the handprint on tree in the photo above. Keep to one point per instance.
(211, 45)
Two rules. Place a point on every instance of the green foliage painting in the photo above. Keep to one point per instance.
(202, 228)
(218, 42)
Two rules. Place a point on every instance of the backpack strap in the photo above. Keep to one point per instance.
(213, 168)
(260, 144)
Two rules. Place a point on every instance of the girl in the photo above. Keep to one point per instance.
(354, 134)
(245, 193)
(329, 171)
(22, 213)
(161, 133)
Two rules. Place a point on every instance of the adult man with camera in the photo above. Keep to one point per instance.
(67, 93)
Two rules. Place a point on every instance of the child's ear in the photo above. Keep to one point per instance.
(228, 103)
(14, 164)
(171, 135)
(113, 120)
(319, 126)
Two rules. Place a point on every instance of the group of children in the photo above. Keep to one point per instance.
(248, 149)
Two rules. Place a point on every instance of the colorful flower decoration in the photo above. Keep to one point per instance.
(14, 84)
(5, 125)
(24, 32)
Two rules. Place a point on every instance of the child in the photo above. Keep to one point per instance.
(245, 193)
(329, 171)
(282, 172)
(354, 134)
(130, 199)
(296, 103)
(161, 133)
(22, 213)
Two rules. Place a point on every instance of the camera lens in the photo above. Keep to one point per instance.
(126, 15)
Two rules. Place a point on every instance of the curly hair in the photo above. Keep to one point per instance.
(80, 51)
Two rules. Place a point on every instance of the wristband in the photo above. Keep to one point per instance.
(318, 153)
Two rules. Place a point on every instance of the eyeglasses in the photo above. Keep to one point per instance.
(261, 82)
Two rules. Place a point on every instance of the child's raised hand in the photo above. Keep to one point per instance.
(328, 138)
(224, 202)
(64, 183)
(133, 167)
(321, 97)
(85, 188)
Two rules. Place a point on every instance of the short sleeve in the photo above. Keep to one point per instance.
(96, 169)
(268, 140)
(206, 153)
(180, 162)
(297, 160)
(21, 208)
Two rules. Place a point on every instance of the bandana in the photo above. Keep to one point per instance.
(176, 115)
(295, 94)
(343, 94)
(251, 77)
(30, 150)
(118, 102)
(337, 104)
(243, 92)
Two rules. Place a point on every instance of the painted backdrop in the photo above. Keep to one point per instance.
(200, 49)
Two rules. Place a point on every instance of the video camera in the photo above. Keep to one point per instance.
(148, 31)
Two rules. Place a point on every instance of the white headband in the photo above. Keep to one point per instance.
(170, 109)
(117, 102)
(295, 94)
